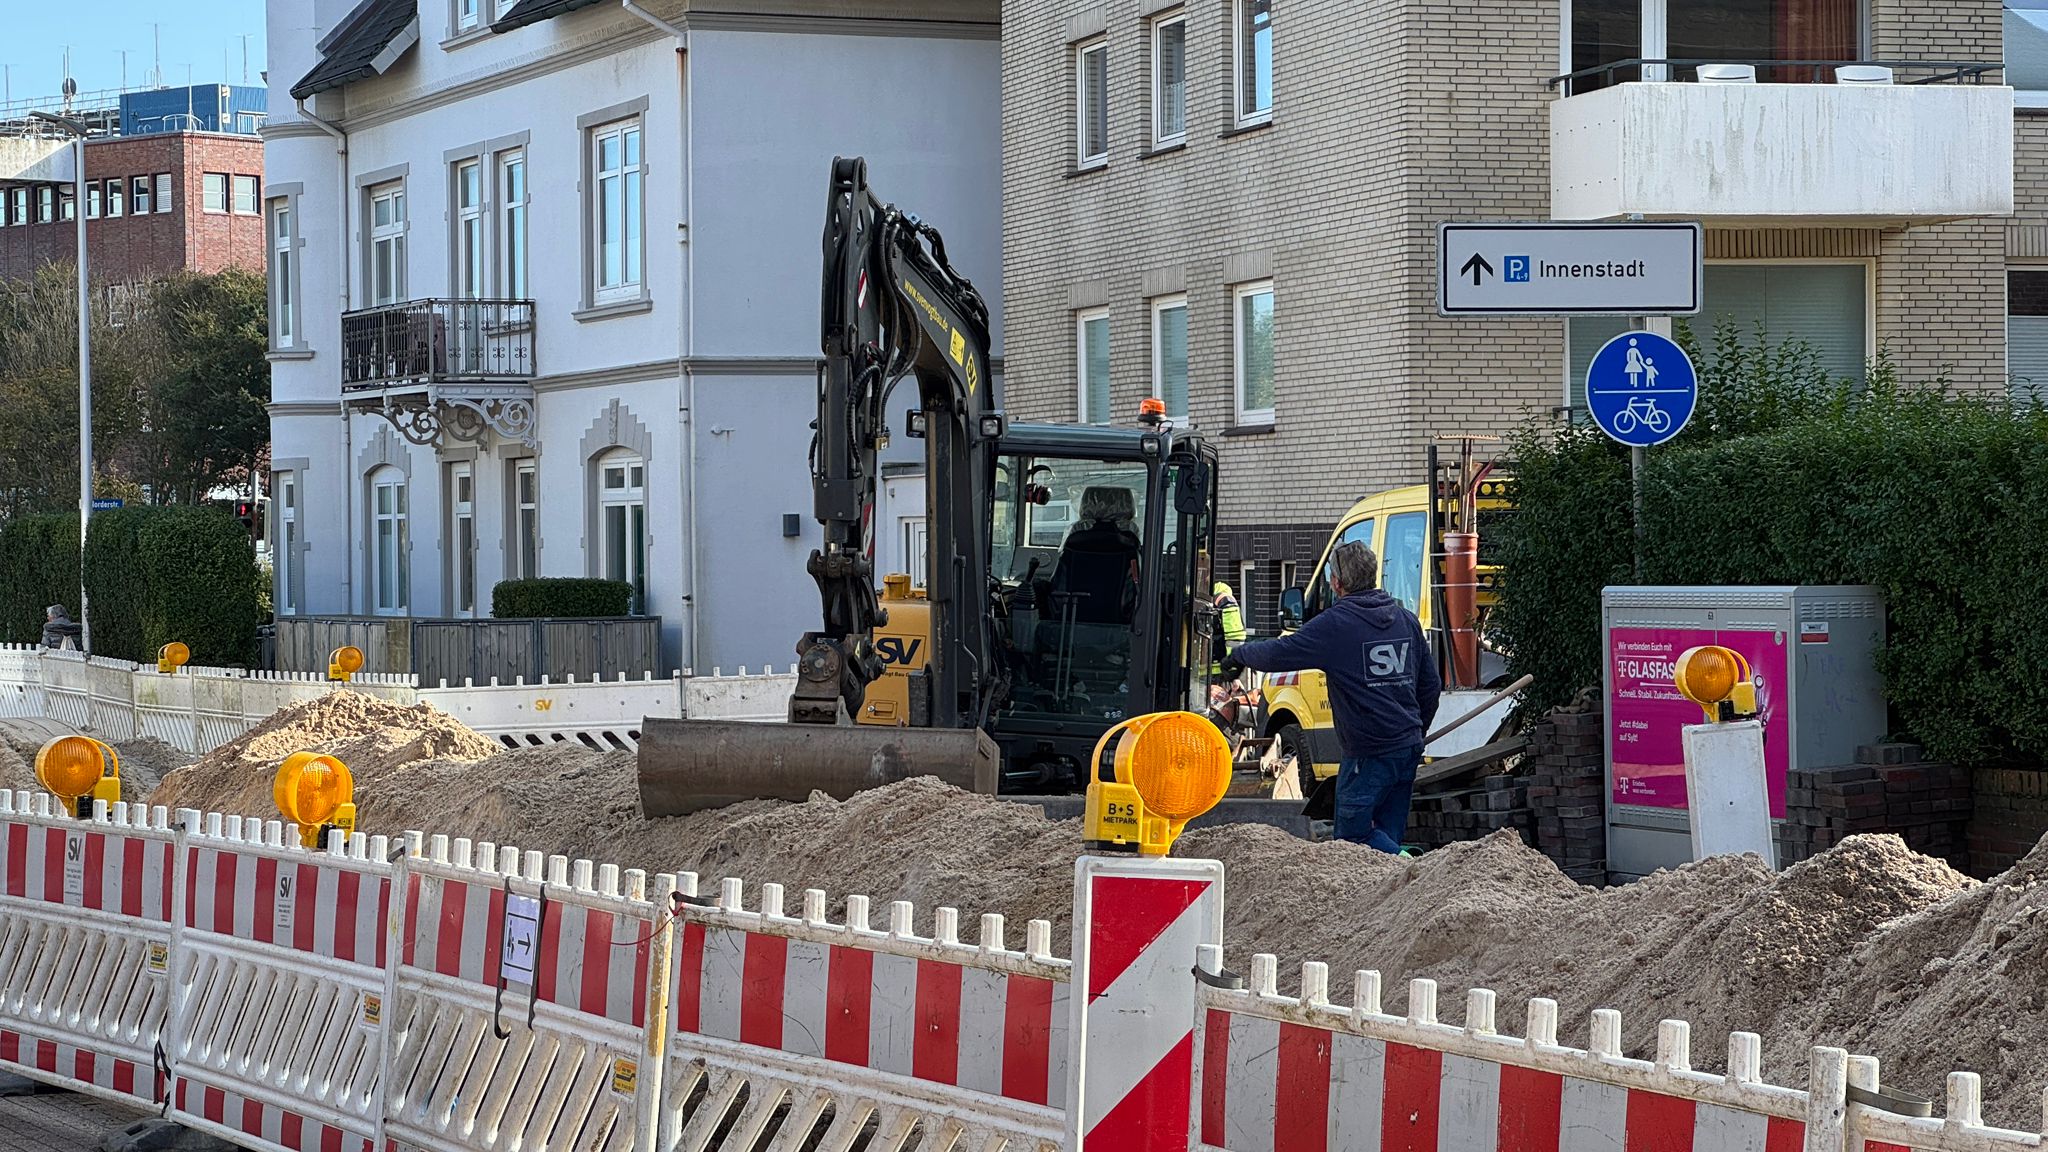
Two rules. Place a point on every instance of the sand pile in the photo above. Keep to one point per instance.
(371, 736)
(144, 763)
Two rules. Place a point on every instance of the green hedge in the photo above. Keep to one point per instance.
(562, 597)
(1939, 500)
(153, 575)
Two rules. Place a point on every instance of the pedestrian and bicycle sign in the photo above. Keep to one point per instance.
(1553, 269)
(1641, 389)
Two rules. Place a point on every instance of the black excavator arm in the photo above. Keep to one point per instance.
(891, 305)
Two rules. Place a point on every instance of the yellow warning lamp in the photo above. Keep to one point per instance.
(1168, 768)
(1717, 679)
(79, 770)
(316, 793)
(344, 662)
(172, 657)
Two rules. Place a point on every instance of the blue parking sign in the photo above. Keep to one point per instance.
(1517, 270)
(1641, 389)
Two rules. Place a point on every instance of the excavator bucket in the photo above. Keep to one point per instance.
(689, 765)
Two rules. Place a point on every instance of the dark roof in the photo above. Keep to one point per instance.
(534, 11)
(362, 45)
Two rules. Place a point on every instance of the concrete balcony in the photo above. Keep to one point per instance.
(1783, 154)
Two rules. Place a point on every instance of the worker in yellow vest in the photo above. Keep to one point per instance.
(1229, 626)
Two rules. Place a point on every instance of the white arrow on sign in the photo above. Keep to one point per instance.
(1566, 269)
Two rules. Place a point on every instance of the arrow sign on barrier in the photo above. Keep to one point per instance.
(522, 939)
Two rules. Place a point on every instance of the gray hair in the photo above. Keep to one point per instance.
(1356, 568)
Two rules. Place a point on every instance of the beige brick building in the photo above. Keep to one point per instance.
(1148, 161)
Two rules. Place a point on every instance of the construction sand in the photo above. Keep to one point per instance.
(144, 763)
(1867, 946)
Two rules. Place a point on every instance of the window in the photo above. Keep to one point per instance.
(615, 158)
(525, 520)
(469, 230)
(1170, 80)
(622, 508)
(1254, 359)
(284, 317)
(1091, 79)
(462, 536)
(1091, 359)
(1401, 559)
(245, 195)
(512, 194)
(46, 204)
(285, 554)
(1606, 32)
(1825, 306)
(1254, 60)
(92, 201)
(390, 542)
(2026, 332)
(1247, 587)
(213, 191)
(116, 196)
(1170, 354)
(466, 14)
(163, 192)
(67, 207)
(138, 195)
(387, 243)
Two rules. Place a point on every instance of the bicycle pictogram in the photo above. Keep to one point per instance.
(1642, 411)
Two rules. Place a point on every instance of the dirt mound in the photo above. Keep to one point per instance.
(373, 737)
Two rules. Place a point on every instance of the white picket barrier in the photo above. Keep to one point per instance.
(762, 695)
(86, 935)
(825, 1031)
(530, 996)
(21, 681)
(603, 714)
(278, 1031)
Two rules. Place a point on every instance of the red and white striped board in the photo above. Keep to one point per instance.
(984, 1029)
(324, 905)
(1138, 924)
(590, 959)
(87, 1068)
(1280, 679)
(253, 1123)
(87, 865)
(1273, 1086)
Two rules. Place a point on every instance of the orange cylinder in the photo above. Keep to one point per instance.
(1461, 606)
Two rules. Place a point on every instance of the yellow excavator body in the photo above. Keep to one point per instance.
(904, 644)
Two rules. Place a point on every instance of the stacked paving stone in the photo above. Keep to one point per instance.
(2009, 817)
(1470, 810)
(1889, 789)
(1566, 769)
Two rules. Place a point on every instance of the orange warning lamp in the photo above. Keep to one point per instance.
(1151, 410)
(79, 770)
(316, 793)
(1717, 679)
(344, 662)
(172, 657)
(1168, 768)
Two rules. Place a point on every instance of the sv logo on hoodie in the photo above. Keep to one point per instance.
(1386, 661)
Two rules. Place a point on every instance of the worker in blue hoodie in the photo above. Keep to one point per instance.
(1383, 689)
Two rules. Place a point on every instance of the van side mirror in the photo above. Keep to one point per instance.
(1292, 608)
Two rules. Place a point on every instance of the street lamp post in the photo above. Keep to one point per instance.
(77, 132)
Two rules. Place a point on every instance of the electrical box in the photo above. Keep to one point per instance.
(1814, 651)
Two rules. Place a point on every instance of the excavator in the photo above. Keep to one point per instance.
(1064, 562)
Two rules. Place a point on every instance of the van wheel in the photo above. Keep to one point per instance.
(1294, 743)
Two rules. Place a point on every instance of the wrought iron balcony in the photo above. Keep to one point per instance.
(434, 341)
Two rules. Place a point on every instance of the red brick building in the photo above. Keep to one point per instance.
(154, 204)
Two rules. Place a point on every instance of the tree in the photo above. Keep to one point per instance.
(206, 421)
(39, 391)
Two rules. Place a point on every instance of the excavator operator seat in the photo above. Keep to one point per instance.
(1098, 566)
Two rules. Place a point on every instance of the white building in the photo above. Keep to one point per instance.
(545, 287)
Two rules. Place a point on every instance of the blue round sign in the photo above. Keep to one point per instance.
(1641, 389)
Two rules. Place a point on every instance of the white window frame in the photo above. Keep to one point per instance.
(1238, 295)
(236, 183)
(631, 175)
(389, 478)
(46, 203)
(1084, 159)
(1082, 318)
(287, 505)
(213, 193)
(525, 559)
(514, 241)
(92, 201)
(1239, 57)
(1160, 137)
(628, 496)
(163, 192)
(1160, 306)
(389, 236)
(117, 197)
(139, 202)
(468, 15)
(461, 554)
(284, 299)
(67, 206)
(470, 236)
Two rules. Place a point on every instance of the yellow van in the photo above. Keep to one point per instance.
(1397, 525)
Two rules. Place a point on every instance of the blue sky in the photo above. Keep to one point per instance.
(205, 34)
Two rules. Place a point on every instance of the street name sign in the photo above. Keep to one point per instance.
(1561, 269)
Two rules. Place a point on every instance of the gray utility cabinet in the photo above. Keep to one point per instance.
(1814, 651)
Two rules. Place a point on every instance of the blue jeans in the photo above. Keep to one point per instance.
(1372, 797)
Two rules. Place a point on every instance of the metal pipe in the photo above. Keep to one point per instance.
(84, 387)
(348, 566)
(1490, 701)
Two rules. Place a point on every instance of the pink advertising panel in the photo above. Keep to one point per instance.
(1645, 711)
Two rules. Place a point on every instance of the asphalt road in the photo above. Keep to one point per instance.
(59, 1122)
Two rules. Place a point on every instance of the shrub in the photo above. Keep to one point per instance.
(562, 597)
(38, 568)
(1941, 501)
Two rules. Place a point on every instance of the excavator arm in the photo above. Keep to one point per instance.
(892, 305)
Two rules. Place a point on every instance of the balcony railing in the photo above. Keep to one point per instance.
(433, 341)
(1784, 72)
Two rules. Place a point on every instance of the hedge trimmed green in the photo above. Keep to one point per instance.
(153, 575)
(1786, 477)
(560, 597)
